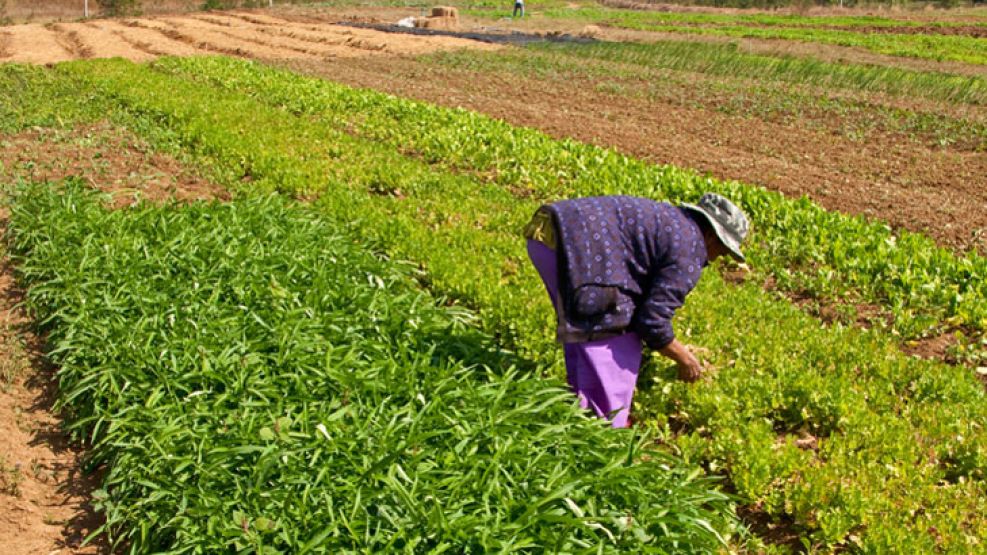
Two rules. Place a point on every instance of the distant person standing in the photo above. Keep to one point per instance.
(518, 7)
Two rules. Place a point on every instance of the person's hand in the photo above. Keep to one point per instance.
(689, 369)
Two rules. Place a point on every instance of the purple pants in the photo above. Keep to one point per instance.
(602, 373)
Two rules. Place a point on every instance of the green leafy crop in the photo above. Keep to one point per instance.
(895, 444)
(256, 382)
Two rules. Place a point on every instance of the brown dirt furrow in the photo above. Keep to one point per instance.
(198, 43)
(104, 43)
(321, 34)
(207, 36)
(239, 30)
(953, 30)
(342, 41)
(149, 39)
(942, 194)
(4, 45)
(71, 41)
(259, 19)
(300, 15)
(145, 50)
(324, 23)
(312, 38)
(34, 44)
(44, 493)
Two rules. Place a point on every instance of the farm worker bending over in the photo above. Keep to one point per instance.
(616, 269)
(518, 7)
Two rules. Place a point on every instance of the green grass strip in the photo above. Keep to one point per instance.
(257, 382)
(900, 441)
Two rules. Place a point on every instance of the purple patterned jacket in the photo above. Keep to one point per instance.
(625, 264)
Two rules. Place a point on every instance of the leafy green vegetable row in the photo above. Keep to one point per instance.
(781, 20)
(255, 381)
(803, 247)
(898, 442)
(726, 78)
(729, 60)
(940, 47)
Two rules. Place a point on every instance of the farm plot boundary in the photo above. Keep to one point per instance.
(865, 404)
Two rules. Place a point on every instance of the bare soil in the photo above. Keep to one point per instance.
(247, 34)
(34, 44)
(108, 159)
(4, 44)
(974, 31)
(44, 492)
(938, 192)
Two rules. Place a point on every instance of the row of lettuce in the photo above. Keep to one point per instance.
(256, 382)
(898, 444)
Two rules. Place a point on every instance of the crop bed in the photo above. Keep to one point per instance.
(830, 430)
(255, 381)
(880, 35)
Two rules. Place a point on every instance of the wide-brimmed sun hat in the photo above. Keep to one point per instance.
(729, 222)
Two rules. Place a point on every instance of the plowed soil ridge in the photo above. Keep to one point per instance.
(4, 45)
(34, 44)
(252, 35)
(261, 37)
(262, 47)
(136, 46)
(104, 43)
(153, 38)
(71, 41)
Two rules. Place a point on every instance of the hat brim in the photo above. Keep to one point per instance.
(732, 245)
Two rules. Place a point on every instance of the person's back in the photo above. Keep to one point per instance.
(613, 252)
(617, 268)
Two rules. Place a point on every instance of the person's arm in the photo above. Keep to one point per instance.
(654, 320)
(689, 368)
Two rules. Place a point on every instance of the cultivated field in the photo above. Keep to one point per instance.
(251, 35)
(283, 293)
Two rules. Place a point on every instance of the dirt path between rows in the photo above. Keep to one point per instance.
(43, 490)
(940, 193)
(44, 493)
